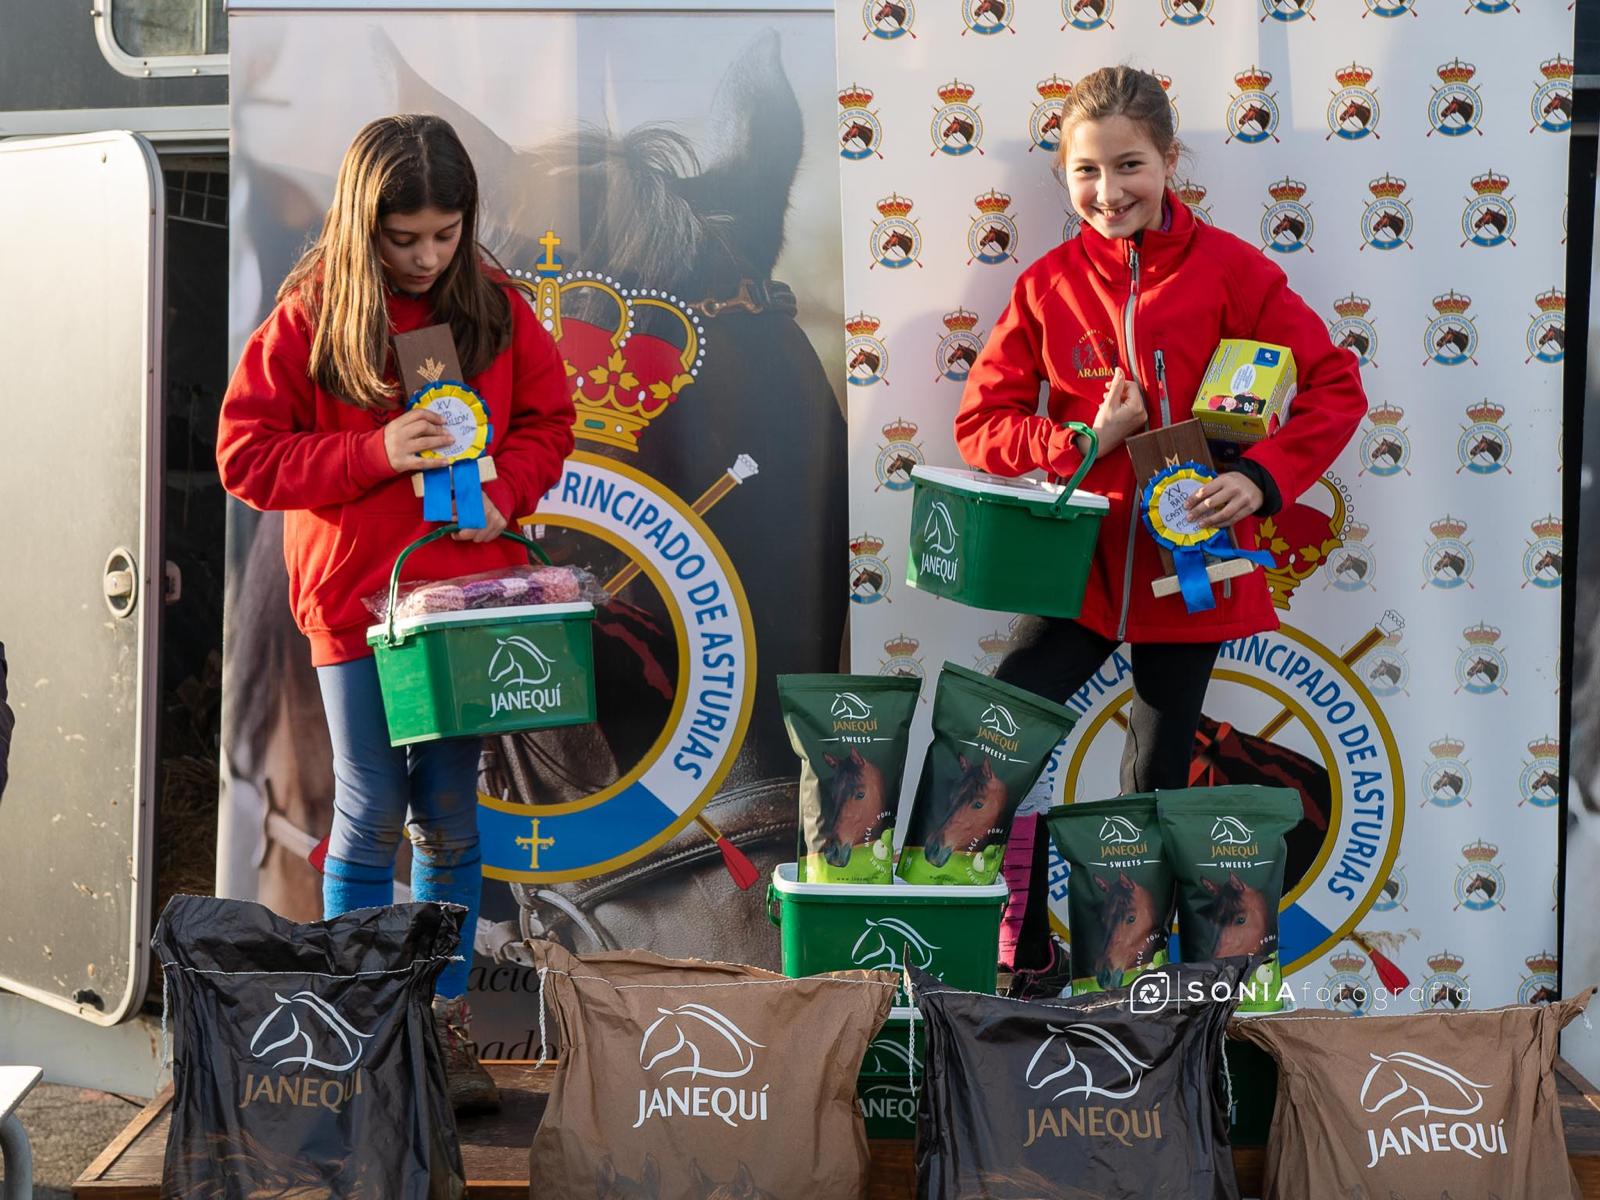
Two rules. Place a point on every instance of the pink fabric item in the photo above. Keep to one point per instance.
(1016, 868)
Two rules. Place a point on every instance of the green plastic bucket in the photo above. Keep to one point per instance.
(949, 930)
(1015, 545)
(891, 1075)
(483, 671)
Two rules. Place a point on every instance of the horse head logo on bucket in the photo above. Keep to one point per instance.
(520, 673)
(880, 945)
(697, 1041)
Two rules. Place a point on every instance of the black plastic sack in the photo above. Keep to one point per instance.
(305, 1062)
(1114, 1095)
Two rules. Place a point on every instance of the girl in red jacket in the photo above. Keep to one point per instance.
(313, 423)
(1118, 325)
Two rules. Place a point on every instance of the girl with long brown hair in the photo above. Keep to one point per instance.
(314, 423)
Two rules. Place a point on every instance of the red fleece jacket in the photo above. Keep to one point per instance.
(284, 443)
(1070, 322)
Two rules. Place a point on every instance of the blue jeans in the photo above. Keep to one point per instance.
(376, 786)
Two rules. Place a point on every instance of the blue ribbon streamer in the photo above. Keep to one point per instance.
(469, 494)
(1189, 562)
(436, 504)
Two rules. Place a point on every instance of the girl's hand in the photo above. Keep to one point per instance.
(406, 437)
(1121, 413)
(494, 524)
(1225, 501)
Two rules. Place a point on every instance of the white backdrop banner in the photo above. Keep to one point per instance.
(1405, 161)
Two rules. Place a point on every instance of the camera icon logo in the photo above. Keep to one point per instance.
(1149, 994)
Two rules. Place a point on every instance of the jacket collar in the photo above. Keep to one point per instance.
(1160, 251)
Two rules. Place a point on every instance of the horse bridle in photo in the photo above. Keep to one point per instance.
(753, 296)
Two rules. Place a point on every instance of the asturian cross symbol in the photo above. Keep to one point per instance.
(534, 844)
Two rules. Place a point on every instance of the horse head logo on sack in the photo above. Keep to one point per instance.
(881, 942)
(676, 1037)
(1230, 831)
(847, 706)
(517, 662)
(940, 530)
(1119, 831)
(1098, 1064)
(1434, 1088)
(326, 1039)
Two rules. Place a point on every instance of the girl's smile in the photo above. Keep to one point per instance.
(1115, 176)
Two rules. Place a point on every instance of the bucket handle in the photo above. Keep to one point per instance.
(1077, 427)
(433, 536)
(773, 918)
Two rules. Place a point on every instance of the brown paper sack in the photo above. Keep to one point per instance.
(1416, 1107)
(679, 1079)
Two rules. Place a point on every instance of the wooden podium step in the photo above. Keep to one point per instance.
(494, 1149)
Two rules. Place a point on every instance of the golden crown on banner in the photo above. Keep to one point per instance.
(1446, 963)
(1554, 300)
(1190, 192)
(1356, 531)
(1352, 306)
(1556, 68)
(900, 431)
(1286, 189)
(862, 325)
(1545, 747)
(1547, 527)
(1353, 76)
(1452, 303)
(1480, 852)
(1490, 184)
(1447, 747)
(1456, 71)
(1386, 414)
(1481, 634)
(992, 202)
(1486, 412)
(855, 96)
(895, 205)
(960, 321)
(956, 92)
(901, 646)
(866, 544)
(1253, 80)
(1543, 963)
(1448, 527)
(1347, 963)
(1054, 88)
(995, 643)
(1388, 187)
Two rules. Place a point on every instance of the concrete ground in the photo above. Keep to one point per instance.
(68, 1127)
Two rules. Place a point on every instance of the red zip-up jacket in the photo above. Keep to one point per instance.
(1095, 303)
(284, 443)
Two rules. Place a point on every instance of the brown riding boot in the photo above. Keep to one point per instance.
(470, 1087)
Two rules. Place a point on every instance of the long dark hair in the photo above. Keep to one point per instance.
(396, 164)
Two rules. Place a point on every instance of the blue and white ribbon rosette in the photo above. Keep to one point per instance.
(1164, 506)
(466, 420)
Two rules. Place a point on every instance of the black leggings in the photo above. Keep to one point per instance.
(1054, 657)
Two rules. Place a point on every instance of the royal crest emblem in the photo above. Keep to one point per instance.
(1353, 111)
(1352, 567)
(1547, 332)
(896, 241)
(992, 238)
(869, 572)
(1386, 222)
(958, 349)
(888, 20)
(1352, 331)
(1288, 10)
(866, 357)
(992, 648)
(1044, 125)
(1347, 990)
(1087, 15)
(1446, 986)
(1287, 226)
(1447, 563)
(988, 17)
(1484, 447)
(1393, 893)
(1540, 985)
(898, 455)
(1388, 670)
(1447, 780)
(901, 658)
(1541, 562)
(1552, 100)
(1455, 108)
(1540, 781)
(860, 131)
(956, 128)
(1488, 220)
(1451, 337)
(1253, 113)
(1482, 668)
(1187, 12)
(1480, 882)
(1193, 196)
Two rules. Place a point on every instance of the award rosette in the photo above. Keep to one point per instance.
(466, 420)
(1164, 506)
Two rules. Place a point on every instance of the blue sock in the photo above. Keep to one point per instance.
(347, 886)
(460, 883)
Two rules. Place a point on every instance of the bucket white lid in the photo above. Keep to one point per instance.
(484, 616)
(1028, 491)
(783, 879)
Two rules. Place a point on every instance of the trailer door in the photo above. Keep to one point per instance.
(80, 565)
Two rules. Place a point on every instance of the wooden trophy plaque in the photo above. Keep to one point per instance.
(426, 356)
